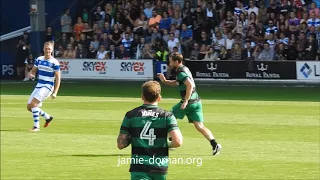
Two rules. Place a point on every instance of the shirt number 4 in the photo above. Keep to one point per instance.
(148, 133)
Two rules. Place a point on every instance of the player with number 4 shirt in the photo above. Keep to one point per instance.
(146, 128)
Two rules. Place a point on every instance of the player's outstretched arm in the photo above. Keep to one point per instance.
(167, 82)
(123, 141)
(32, 73)
(176, 137)
(57, 75)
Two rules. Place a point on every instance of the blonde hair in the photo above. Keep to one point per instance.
(48, 43)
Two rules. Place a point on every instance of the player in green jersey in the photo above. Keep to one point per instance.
(146, 128)
(190, 104)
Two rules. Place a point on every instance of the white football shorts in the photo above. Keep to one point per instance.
(41, 94)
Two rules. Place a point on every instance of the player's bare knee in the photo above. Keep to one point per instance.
(30, 106)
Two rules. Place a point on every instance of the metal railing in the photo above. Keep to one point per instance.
(15, 34)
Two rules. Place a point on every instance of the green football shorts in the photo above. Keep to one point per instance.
(193, 111)
(147, 176)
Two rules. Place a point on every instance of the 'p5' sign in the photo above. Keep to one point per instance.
(163, 68)
(7, 70)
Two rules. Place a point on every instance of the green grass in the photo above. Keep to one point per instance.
(266, 133)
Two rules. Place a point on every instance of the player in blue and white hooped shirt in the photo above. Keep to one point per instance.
(48, 84)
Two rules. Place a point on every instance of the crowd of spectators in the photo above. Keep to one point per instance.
(210, 30)
(199, 29)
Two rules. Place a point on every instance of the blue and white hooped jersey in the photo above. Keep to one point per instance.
(46, 71)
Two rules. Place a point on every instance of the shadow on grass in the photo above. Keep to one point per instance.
(90, 155)
(258, 92)
(12, 130)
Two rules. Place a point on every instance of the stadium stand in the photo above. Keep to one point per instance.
(210, 30)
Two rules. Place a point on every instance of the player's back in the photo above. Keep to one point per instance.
(149, 126)
(46, 70)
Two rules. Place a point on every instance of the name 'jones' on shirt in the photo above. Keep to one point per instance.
(150, 113)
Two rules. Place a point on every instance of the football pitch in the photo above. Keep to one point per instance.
(267, 132)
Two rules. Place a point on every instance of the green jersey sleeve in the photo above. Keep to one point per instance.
(124, 129)
(182, 77)
(172, 123)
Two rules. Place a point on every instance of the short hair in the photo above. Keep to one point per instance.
(151, 90)
(176, 57)
(48, 43)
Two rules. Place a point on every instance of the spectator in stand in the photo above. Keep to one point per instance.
(281, 52)
(106, 28)
(87, 31)
(166, 36)
(186, 39)
(49, 35)
(148, 9)
(253, 8)
(92, 53)
(271, 29)
(313, 8)
(229, 21)
(154, 20)
(267, 54)
(223, 54)
(23, 48)
(204, 39)
(63, 41)
(211, 55)
(59, 51)
(29, 62)
(77, 29)
(161, 54)
(66, 22)
(96, 29)
(140, 47)
(127, 42)
(176, 20)
(109, 10)
(311, 48)
(262, 13)
(123, 53)
(155, 34)
(313, 21)
(72, 42)
(271, 41)
(85, 15)
(95, 41)
(195, 52)
(165, 21)
(203, 51)
(84, 41)
(140, 24)
(173, 42)
(252, 18)
(247, 55)
(174, 30)
(220, 41)
(187, 9)
(301, 47)
(292, 53)
(113, 53)
(305, 17)
(69, 52)
(116, 35)
(236, 52)
(102, 53)
(148, 53)
(81, 52)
